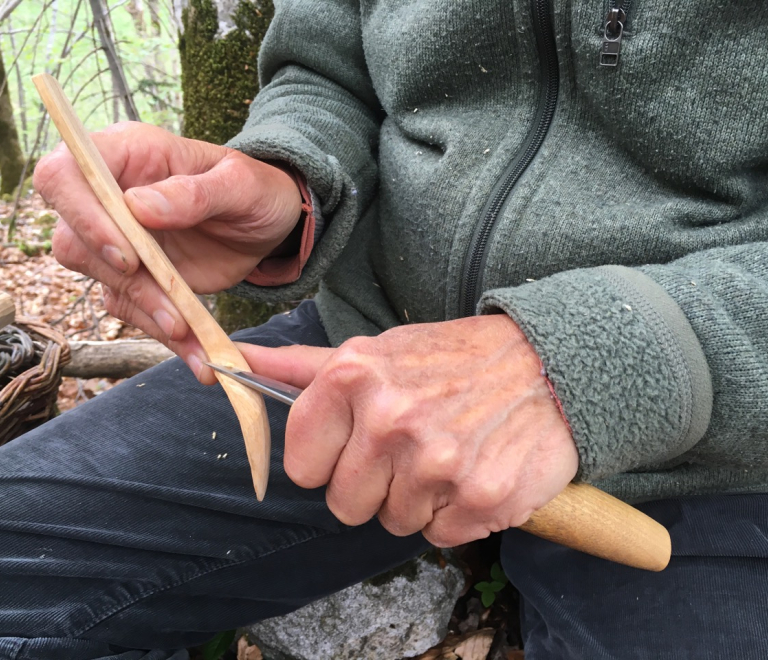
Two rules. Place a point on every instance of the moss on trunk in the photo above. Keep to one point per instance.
(219, 74)
(219, 79)
(11, 156)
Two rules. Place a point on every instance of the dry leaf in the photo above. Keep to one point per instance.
(476, 645)
(247, 651)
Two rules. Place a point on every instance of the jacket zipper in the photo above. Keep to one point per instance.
(477, 253)
(615, 22)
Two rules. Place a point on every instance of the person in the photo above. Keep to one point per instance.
(539, 234)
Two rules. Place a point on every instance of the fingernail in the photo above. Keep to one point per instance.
(115, 258)
(164, 321)
(153, 200)
(195, 364)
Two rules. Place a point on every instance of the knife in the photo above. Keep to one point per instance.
(274, 388)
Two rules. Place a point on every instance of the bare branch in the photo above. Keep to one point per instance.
(119, 82)
(7, 7)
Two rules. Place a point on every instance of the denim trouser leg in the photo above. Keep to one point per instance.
(125, 524)
(711, 602)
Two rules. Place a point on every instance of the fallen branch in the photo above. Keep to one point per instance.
(121, 358)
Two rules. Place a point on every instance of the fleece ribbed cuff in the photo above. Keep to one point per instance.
(623, 360)
(329, 184)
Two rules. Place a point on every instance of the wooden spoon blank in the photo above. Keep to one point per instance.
(248, 404)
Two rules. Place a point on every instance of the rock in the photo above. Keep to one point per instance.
(397, 615)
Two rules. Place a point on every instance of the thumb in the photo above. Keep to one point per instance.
(296, 365)
(182, 201)
(236, 187)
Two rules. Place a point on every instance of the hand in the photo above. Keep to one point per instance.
(446, 428)
(215, 212)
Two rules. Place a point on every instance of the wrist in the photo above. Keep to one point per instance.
(285, 262)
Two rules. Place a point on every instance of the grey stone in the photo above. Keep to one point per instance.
(397, 615)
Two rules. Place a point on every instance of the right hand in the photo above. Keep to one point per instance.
(215, 212)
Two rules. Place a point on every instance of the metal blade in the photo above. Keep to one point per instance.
(274, 388)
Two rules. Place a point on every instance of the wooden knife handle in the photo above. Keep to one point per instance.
(585, 518)
(248, 404)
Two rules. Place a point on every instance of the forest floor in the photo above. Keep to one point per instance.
(72, 303)
(45, 291)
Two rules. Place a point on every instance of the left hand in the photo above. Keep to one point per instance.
(446, 428)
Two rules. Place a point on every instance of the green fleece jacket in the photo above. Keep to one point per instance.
(501, 155)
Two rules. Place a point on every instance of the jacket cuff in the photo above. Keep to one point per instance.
(332, 190)
(623, 360)
(286, 268)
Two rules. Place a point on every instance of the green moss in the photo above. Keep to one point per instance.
(219, 75)
(219, 80)
(11, 157)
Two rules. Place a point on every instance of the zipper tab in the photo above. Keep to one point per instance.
(614, 30)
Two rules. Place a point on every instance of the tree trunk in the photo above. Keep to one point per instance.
(219, 47)
(11, 157)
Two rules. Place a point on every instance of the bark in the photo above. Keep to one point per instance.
(219, 48)
(11, 157)
(122, 358)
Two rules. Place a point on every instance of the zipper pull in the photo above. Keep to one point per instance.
(614, 30)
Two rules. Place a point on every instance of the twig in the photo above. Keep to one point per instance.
(78, 301)
(101, 18)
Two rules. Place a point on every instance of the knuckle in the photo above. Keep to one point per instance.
(392, 409)
(438, 538)
(485, 494)
(392, 523)
(349, 365)
(115, 304)
(133, 289)
(343, 513)
(353, 348)
(441, 461)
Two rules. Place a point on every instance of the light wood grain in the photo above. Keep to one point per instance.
(7, 309)
(585, 518)
(248, 405)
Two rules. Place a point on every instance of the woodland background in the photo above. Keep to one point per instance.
(188, 66)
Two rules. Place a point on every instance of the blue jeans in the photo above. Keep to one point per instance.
(129, 530)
